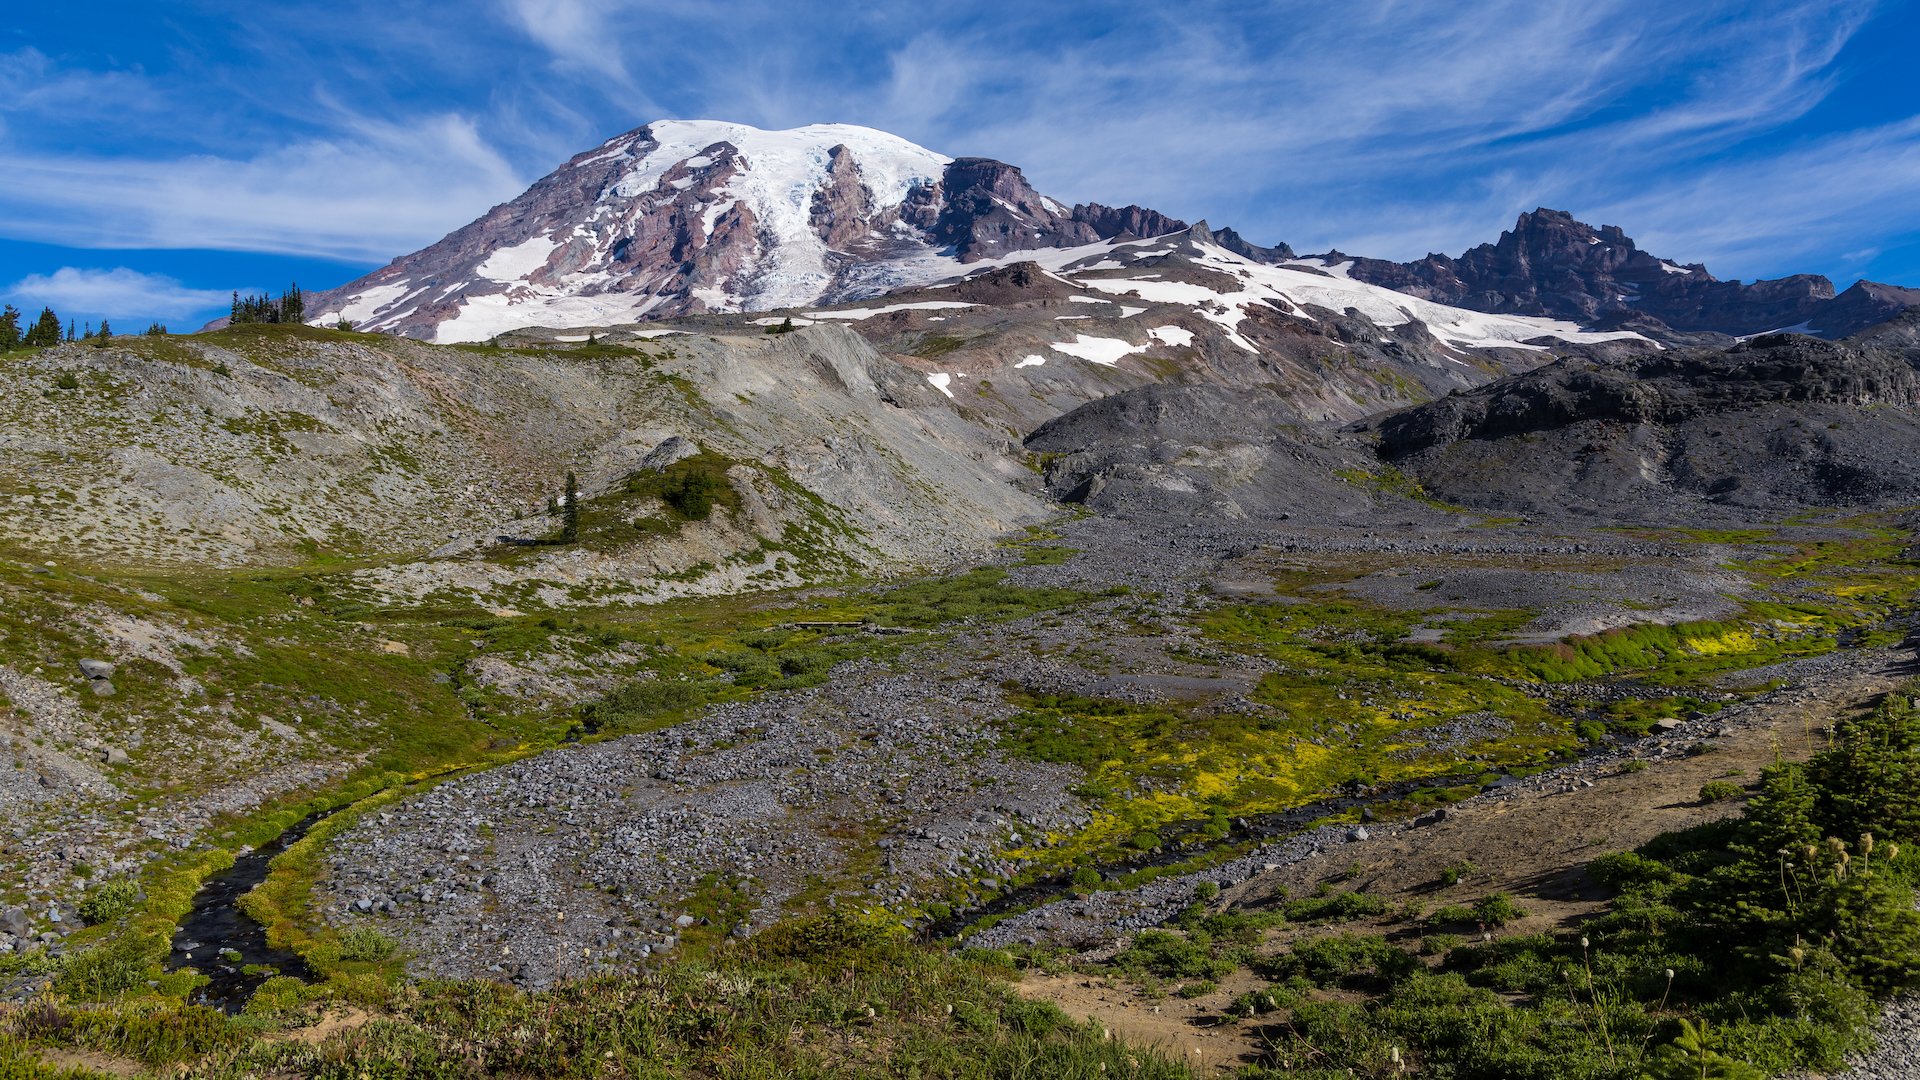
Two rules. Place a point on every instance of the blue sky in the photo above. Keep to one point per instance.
(154, 157)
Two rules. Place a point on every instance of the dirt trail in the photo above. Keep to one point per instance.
(1534, 845)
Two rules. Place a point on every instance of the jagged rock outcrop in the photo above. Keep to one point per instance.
(1551, 264)
(1778, 422)
(1866, 304)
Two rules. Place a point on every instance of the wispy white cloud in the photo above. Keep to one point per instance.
(578, 33)
(1391, 128)
(369, 191)
(118, 292)
(1791, 205)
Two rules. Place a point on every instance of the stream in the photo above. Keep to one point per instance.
(224, 943)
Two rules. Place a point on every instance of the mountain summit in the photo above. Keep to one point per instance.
(683, 217)
(687, 217)
(1550, 264)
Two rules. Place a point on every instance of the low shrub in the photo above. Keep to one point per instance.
(363, 944)
(108, 901)
(1167, 955)
(1719, 791)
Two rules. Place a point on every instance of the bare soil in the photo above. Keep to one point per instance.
(1534, 846)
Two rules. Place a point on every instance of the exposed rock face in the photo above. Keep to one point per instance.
(1551, 264)
(1866, 304)
(1777, 422)
(1203, 451)
(680, 218)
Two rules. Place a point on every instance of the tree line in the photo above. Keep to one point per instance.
(16, 333)
(291, 307)
(47, 330)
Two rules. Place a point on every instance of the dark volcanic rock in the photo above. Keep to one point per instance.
(986, 208)
(1783, 420)
(1551, 264)
(1865, 305)
(1205, 451)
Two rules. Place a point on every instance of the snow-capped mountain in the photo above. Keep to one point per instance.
(691, 217)
(683, 217)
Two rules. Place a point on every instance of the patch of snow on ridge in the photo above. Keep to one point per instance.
(1672, 269)
(364, 306)
(1031, 361)
(868, 313)
(483, 317)
(516, 262)
(941, 380)
(1098, 350)
(1339, 292)
(1171, 335)
(780, 171)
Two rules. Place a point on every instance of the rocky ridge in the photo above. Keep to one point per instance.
(1774, 423)
(1551, 264)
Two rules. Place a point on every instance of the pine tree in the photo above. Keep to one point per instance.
(156, 330)
(1765, 895)
(570, 512)
(46, 329)
(70, 335)
(1870, 776)
(105, 332)
(233, 314)
(9, 329)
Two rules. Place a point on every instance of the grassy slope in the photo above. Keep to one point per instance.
(285, 640)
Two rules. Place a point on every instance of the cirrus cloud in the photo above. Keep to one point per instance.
(119, 292)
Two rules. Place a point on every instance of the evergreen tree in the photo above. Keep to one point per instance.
(105, 331)
(1870, 776)
(156, 330)
(70, 334)
(9, 329)
(46, 329)
(570, 512)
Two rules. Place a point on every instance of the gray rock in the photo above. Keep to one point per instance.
(1360, 833)
(113, 755)
(14, 921)
(96, 669)
(102, 687)
(673, 449)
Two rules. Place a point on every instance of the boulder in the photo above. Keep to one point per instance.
(113, 755)
(14, 921)
(673, 449)
(96, 669)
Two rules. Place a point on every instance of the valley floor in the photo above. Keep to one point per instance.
(1041, 756)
